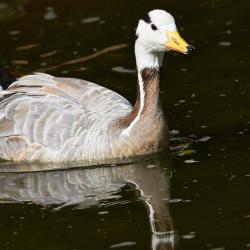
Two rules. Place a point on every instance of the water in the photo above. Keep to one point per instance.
(202, 200)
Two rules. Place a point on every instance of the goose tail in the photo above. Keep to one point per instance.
(6, 79)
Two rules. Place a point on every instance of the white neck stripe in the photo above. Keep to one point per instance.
(142, 96)
(144, 59)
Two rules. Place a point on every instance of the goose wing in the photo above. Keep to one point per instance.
(41, 114)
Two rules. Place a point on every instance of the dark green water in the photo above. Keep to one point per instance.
(203, 199)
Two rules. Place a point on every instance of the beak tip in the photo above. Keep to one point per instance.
(190, 49)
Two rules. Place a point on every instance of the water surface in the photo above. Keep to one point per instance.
(202, 200)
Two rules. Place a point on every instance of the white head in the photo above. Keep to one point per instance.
(157, 32)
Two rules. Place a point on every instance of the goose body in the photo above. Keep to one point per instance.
(44, 118)
(50, 119)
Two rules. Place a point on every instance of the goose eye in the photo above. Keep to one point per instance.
(153, 27)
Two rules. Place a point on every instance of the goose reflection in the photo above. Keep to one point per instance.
(86, 187)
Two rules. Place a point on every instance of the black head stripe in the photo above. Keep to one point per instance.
(146, 18)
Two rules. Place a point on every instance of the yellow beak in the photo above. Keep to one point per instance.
(176, 43)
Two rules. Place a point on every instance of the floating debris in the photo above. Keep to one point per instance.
(186, 152)
(203, 126)
(50, 53)
(123, 244)
(92, 19)
(181, 147)
(225, 43)
(191, 161)
(103, 212)
(180, 144)
(28, 46)
(151, 166)
(89, 57)
(204, 138)
(182, 101)
(50, 14)
(20, 62)
(176, 200)
(175, 132)
(187, 201)
(121, 69)
(188, 236)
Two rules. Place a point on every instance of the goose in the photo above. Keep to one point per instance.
(53, 119)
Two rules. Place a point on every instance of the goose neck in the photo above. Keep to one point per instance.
(147, 105)
(146, 57)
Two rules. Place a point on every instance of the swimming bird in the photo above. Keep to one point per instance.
(52, 119)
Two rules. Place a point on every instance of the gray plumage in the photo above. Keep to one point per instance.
(44, 118)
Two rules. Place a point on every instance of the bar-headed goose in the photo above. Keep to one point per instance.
(51, 119)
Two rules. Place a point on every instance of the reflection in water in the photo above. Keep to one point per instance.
(90, 186)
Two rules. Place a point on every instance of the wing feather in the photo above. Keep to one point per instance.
(43, 117)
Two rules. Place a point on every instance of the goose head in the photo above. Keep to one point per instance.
(157, 32)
